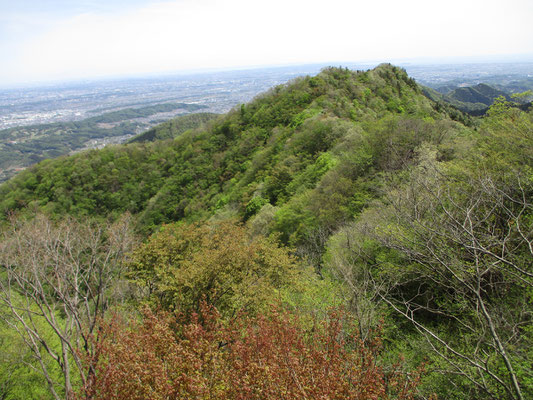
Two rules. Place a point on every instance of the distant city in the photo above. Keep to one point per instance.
(219, 91)
(76, 101)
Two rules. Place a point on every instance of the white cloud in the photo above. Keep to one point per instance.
(191, 34)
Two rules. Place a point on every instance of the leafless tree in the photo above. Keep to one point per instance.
(66, 274)
(471, 235)
(346, 259)
(465, 242)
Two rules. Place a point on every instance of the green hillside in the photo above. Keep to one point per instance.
(474, 100)
(350, 189)
(480, 93)
(174, 127)
(275, 148)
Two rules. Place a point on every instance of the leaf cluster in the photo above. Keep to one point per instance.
(265, 357)
(219, 263)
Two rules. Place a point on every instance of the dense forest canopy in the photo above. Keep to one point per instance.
(348, 189)
(295, 132)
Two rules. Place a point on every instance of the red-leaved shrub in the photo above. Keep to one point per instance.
(268, 357)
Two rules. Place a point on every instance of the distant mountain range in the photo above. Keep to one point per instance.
(474, 100)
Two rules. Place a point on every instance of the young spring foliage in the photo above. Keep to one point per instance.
(449, 249)
(268, 357)
(218, 263)
(278, 148)
(423, 220)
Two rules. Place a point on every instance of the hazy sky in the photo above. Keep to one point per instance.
(44, 40)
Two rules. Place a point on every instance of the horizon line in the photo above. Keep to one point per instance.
(418, 61)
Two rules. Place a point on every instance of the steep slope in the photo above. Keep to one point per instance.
(404, 211)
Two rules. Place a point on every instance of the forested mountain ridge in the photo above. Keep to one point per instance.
(414, 217)
(480, 93)
(285, 135)
(474, 100)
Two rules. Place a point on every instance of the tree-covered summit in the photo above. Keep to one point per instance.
(266, 151)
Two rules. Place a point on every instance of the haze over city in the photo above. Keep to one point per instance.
(63, 40)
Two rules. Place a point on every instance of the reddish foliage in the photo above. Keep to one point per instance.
(266, 357)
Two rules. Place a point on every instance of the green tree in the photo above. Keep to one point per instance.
(183, 264)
